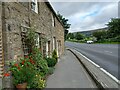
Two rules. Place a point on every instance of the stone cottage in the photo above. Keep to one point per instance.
(16, 18)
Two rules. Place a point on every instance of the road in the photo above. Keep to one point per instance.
(105, 55)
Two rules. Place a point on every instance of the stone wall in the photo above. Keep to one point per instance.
(18, 15)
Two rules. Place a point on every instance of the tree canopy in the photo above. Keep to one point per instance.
(70, 36)
(113, 32)
(114, 27)
(66, 25)
(78, 36)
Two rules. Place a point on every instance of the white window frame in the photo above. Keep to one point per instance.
(34, 5)
(23, 35)
(47, 49)
(37, 44)
(53, 20)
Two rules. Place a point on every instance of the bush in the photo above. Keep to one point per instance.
(54, 55)
(51, 70)
(51, 62)
(41, 64)
(37, 82)
(41, 69)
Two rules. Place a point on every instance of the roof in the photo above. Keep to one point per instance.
(51, 8)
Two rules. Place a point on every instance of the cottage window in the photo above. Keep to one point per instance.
(54, 43)
(23, 36)
(34, 6)
(37, 40)
(53, 21)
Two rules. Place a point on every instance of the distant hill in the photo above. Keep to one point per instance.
(89, 32)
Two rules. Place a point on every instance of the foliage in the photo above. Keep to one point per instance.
(112, 34)
(70, 36)
(41, 64)
(33, 68)
(51, 70)
(51, 62)
(40, 69)
(79, 36)
(54, 55)
(22, 71)
(30, 39)
(65, 34)
(65, 24)
(114, 27)
(100, 35)
(37, 82)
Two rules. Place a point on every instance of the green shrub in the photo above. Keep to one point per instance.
(54, 55)
(51, 70)
(41, 64)
(37, 82)
(51, 62)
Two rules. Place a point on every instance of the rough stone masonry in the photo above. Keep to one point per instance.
(16, 17)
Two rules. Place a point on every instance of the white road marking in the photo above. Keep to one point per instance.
(108, 51)
(88, 59)
(110, 75)
(114, 78)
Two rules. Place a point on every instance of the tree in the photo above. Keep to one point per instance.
(65, 24)
(114, 27)
(70, 36)
(79, 36)
(100, 35)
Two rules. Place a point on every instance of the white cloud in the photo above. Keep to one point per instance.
(83, 0)
(87, 15)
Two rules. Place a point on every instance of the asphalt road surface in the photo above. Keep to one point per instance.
(105, 55)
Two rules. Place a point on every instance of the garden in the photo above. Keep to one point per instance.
(32, 70)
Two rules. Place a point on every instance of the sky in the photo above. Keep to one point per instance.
(84, 15)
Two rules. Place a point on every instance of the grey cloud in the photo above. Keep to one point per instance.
(107, 10)
(70, 8)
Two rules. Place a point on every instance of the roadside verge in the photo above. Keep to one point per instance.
(97, 73)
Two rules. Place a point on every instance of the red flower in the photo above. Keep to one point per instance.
(31, 61)
(6, 74)
(16, 65)
(26, 57)
(18, 68)
(23, 62)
